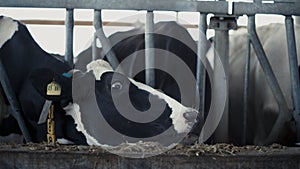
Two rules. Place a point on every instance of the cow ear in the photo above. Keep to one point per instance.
(42, 78)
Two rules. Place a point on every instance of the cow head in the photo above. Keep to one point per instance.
(108, 104)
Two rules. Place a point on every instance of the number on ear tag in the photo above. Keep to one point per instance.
(51, 138)
(53, 89)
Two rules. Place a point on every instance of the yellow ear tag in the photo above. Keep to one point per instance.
(53, 89)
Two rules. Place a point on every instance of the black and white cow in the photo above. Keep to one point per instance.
(263, 109)
(171, 41)
(30, 70)
(20, 54)
(102, 108)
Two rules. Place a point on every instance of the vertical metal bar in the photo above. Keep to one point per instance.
(294, 71)
(149, 49)
(222, 47)
(271, 80)
(177, 17)
(246, 91)
(201, 49)
(94, 48)
(200, 73)
(106, 46)
(258, 1)
(13, 101)
(69, 36)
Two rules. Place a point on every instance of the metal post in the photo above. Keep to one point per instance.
(13, 101)
(94, 48)
(271, 80)
(294, 71)
(177, 17)
(106, 46)
(222, 47)
(149, 49)
(258, 1)
(200, 74)
(246, 92)
(69, 36)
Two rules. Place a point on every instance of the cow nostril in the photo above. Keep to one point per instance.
(190, 115)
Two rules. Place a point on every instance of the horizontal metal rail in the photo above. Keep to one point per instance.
(80, 23)
(268, 8)
(218, 7)
(165, 5)
(90, 23)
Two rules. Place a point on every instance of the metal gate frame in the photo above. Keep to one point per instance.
(221, 9)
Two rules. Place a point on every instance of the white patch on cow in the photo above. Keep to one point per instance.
(178, 109)
(64, 141)
(100, 66)
(8, 27)
(74, 111)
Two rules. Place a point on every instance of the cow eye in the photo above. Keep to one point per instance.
(116, 85)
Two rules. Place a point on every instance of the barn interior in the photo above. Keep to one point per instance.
(80, 24)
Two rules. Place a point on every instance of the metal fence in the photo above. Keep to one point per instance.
(224, 13)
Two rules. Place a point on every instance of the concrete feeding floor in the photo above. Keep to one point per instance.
(180, 157)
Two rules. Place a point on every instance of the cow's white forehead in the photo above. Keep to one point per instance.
(100, 66)
(8, 27)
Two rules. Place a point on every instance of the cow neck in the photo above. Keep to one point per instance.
(22, 55)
